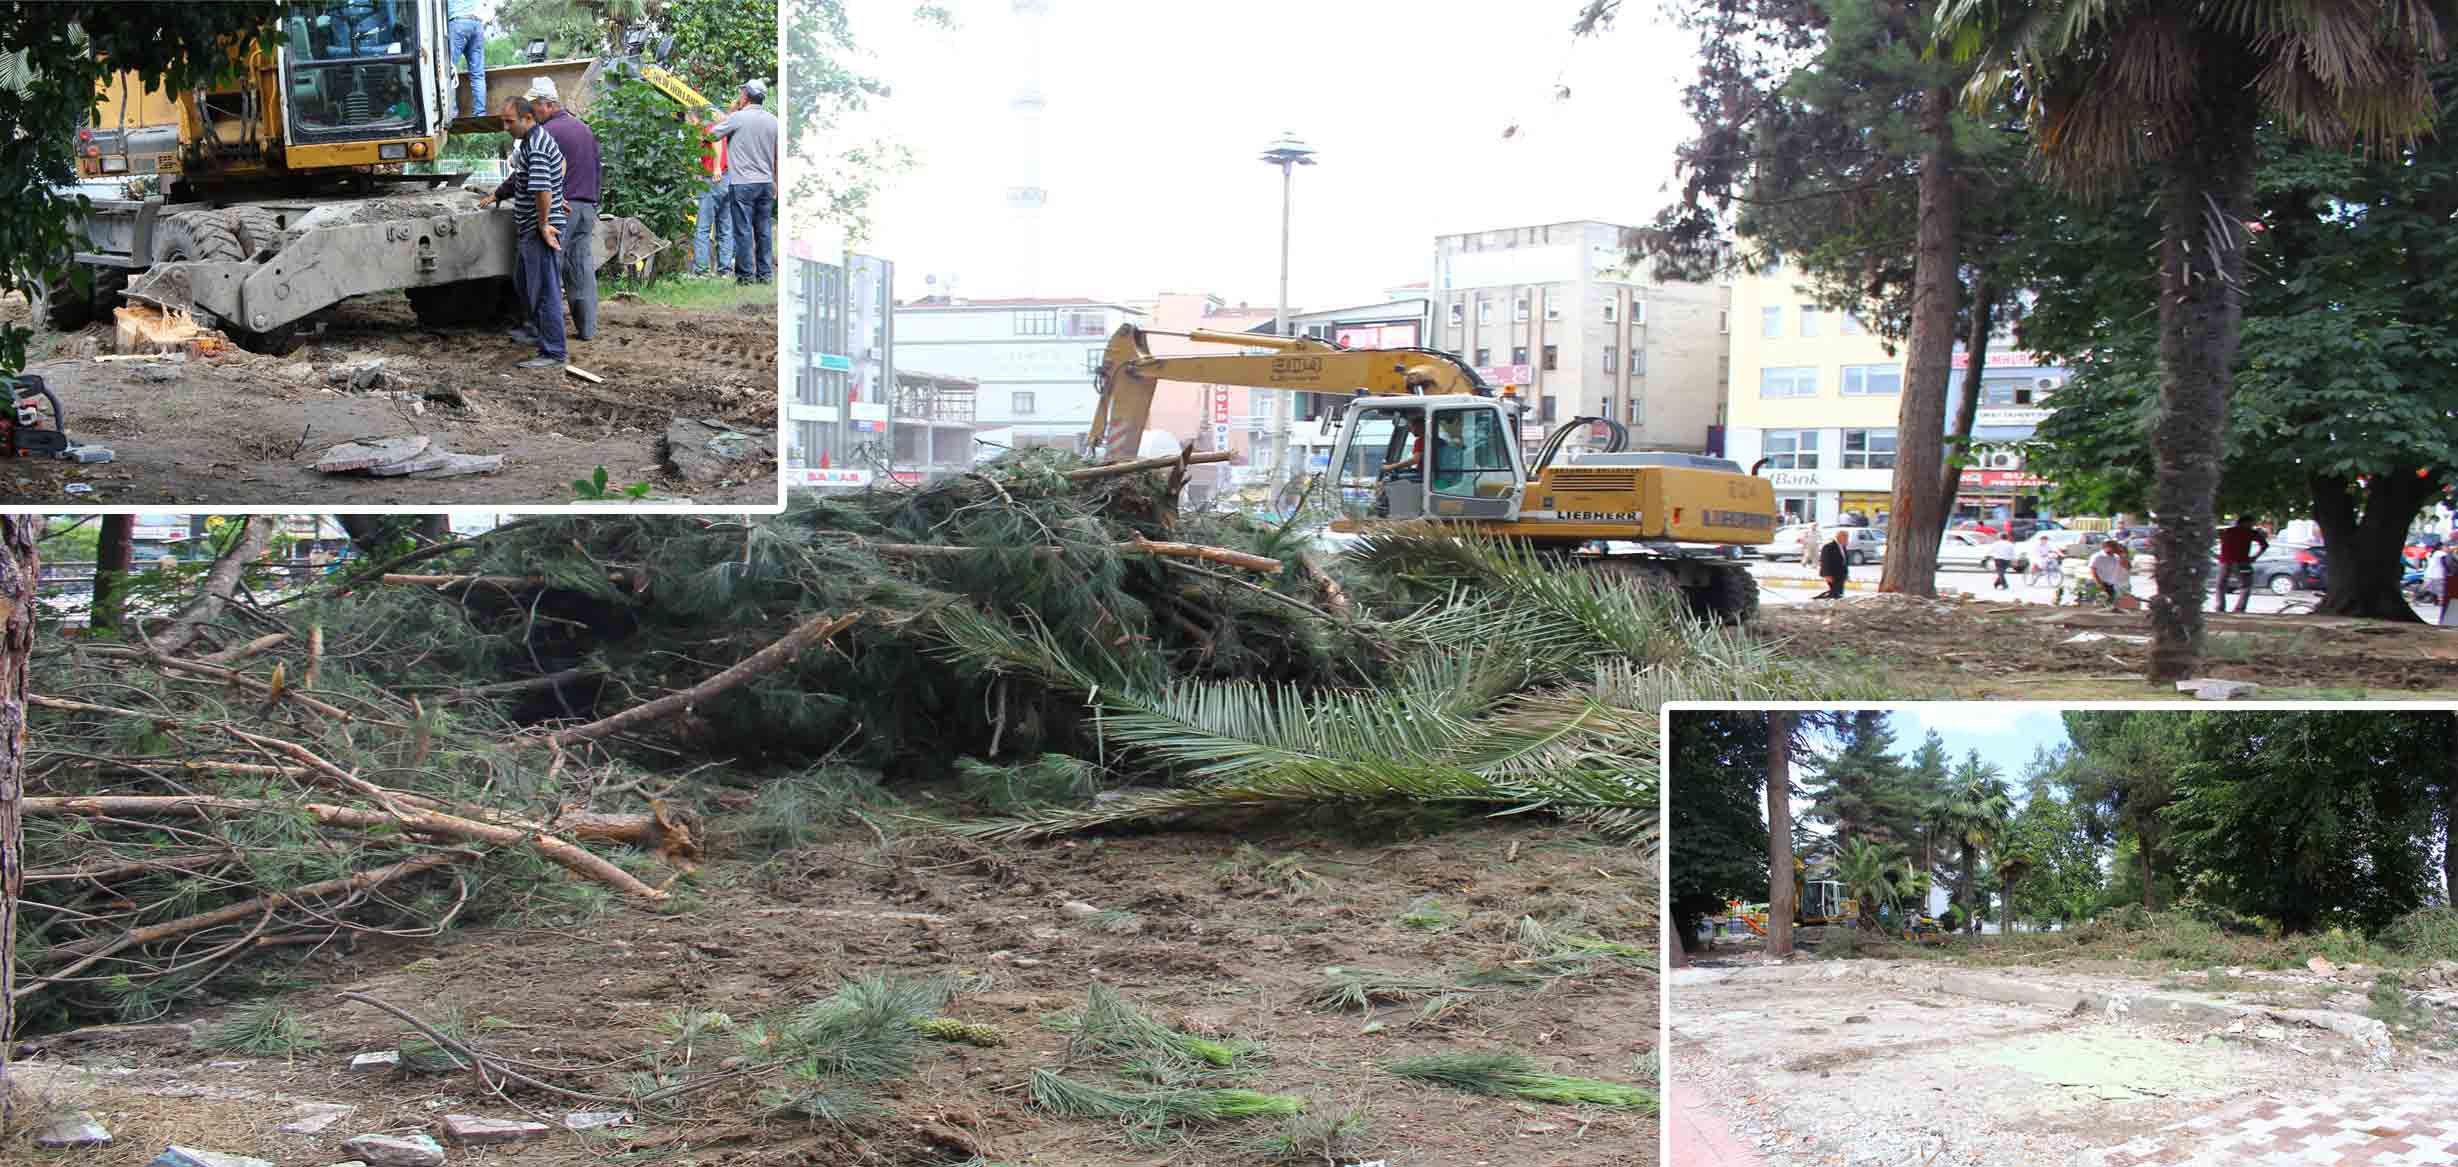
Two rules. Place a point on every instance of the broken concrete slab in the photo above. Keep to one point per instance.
(76, 1130)
(396, 1150)
(470, 1130)
(433, 459)
(381, 1061)
(178, 1156)
(350, 456)
(2214, 689)
(456, 465)
(701, 451)
(314, 1117)
(590, 1120)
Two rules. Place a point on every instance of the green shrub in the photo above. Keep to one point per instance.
(2426, 934)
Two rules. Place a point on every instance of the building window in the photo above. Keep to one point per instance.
(1612, 358)
(1794, 381)
(1092, 360)
(1042, 323)
(1459, 313)
(1638, 312)
(1553, 357)
(1084, 324)
(2009, 391)
(1485, 357)
(1847, 325)
(1021, 403)
(1638, 410)
(1638, 361)
(1553, 308)
(1771, 322)
(1545, 409)
(1791, 449)
(1485, 311)
(1519, 310)
(1612, 311)
(1872, 380)
(1869, 449)
(1724, 320)
(1809, 320)
(1519, 355)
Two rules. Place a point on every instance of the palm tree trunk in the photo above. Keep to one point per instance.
(1911, 554)
(2201, 306)
(1963, 884)
(18, 571)
(2005, 913)
(1780, 904)
(1967, 407)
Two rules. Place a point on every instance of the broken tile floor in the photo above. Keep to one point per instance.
(1873, 1064)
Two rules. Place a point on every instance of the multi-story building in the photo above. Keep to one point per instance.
(1562, 312)
(1397, 323)
(852, 412)
(1817, 395)
(1033, 360)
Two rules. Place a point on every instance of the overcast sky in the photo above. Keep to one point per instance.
(1156, 114)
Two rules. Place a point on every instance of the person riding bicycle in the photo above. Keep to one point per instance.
(2237, 551)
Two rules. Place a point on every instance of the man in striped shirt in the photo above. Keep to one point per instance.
(540, 212)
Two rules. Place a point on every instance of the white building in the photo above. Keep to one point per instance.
(1035, 360)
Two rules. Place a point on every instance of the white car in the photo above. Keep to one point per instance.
(1787, 543)
(1963, 550)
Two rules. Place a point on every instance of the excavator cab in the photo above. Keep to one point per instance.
(354, 71)
(1448, 457)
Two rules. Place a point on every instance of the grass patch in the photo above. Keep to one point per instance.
(1364, 988)
(2425, 936)
(1157, 1110)
(1320, 1135)
(1284, 874)
(703, 295)
(1111, 1025)
(264, 1028)
(1425, 915)
(1514, 1076)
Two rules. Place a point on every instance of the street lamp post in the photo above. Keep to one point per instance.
(1288, 154)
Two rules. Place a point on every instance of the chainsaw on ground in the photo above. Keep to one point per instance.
(34, 426)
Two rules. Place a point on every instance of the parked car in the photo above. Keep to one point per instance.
(1787, 543)
(1868, 545)
(2288, 568)
(1964, 550)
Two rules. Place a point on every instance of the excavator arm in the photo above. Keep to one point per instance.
(1130, 374)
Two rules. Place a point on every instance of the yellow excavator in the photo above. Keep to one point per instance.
(1423, 437)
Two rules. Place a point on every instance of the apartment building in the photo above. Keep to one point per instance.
(1562, 312)
(1817, 395)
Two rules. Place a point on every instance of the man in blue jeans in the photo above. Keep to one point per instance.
(469, 48)
(540, 214)
(712, 235)
(750, 134)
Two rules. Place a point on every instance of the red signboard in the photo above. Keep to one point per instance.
(2001, 478)
(1507, 374)
(1220, 405)
(1377, 336)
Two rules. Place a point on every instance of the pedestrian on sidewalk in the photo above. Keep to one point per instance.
(2002, 553)
(2237, 551)
(2111, 570)
(750, 134)
(1811, 541)
(1833, 566)
(541, 216)
(582, 181)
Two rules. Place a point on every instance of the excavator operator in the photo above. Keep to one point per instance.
(1402, 489)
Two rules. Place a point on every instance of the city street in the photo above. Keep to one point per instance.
(1784, 582)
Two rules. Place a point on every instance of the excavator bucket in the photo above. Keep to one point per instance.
(1125, 408)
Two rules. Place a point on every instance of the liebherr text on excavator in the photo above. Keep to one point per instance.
(1422, 437)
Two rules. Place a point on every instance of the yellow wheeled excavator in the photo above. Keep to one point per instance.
(1423, 437)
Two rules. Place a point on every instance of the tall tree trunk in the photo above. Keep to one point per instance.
(2366, 557)
(2201, 307)
(2150, 878)
(1920, 425)
(1963, 880)
(18, 573)
(2005, 913)
(114, 557)
(1780, 902)
(1676, 945)
(2449, 813)
(1967, 409)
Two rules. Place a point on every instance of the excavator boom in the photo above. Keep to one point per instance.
(1130, 374)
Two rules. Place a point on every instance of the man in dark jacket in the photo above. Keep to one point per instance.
(1833, 566)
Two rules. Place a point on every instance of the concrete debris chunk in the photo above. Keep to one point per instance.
(590, 1120)
(703, 452)
(456, 465)
(314, 1117)
(470, 1130)
(76, 1130)
(2214, 689)
(2322, 965)
(350, 456)
(382, 1061)
(396, 1150)
(178, 1156)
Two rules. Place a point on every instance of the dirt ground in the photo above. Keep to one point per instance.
(244, 429)
(1216, 943)
(1879, 1062)
(1976, 649)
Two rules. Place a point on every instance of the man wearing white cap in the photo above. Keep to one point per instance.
(581, 185)
(751, 181)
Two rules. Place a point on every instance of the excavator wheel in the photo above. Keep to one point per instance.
(1730, 595)
(216, 235)
(259, 228)
(1719, 591)
(59, 307)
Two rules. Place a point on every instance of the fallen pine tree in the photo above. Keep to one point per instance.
(525, 726)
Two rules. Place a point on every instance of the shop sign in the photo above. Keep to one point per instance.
(807, 476)
(1794, 479)
(2001, 478)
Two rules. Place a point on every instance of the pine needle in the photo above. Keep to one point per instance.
(1515, 1076)
(1111, 1025)
(1059, 1094)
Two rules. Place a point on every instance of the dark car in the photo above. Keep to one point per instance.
(2288, 568)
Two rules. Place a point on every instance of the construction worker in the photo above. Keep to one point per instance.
(469, 48)
(541, 215)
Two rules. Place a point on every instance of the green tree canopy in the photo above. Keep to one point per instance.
(1717, 832)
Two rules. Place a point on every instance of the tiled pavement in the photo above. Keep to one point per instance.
(1699, 1138)
(2408, 1120)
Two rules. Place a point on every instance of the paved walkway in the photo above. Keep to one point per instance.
(2406, 1121)
(1699, 1138)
